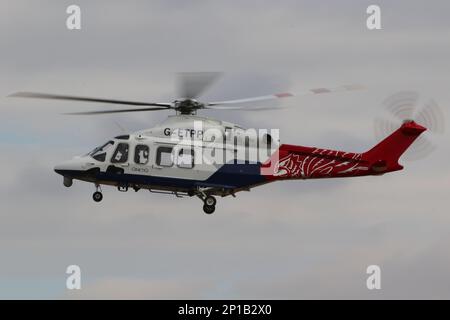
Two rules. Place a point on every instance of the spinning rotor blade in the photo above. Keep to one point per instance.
(384, 127)
(401, 105)
(286, 94)
(190, 86)
(86, 99)
(404, 106)
(432, 117)
(193, 84)
(253, 99)
(242, 108)
(115, 111)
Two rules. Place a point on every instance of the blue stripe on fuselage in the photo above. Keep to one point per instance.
(237, 175)
(229, 176)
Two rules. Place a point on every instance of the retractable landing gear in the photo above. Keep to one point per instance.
(209, 204)
(97, 196)
(208, 209)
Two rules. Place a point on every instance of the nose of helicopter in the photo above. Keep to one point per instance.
(66, 167)
(69, 170)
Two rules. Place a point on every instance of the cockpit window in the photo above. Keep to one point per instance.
(121, 153)
(99, 153)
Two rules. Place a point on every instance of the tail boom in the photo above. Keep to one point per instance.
(298, 162)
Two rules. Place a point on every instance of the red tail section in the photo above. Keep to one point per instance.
(384, 156)
(298, 162)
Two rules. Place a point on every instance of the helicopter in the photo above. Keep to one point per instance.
(189, 155)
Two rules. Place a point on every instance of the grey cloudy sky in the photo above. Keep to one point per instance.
(301, 239)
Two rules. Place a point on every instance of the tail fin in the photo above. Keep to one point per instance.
(384, 156)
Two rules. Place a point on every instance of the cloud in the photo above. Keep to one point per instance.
(299, 239)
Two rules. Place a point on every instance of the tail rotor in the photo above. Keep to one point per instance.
(405, 106)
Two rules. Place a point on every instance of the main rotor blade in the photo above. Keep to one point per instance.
(38, 95)
(115, 111)
(242, 108)
(193, 84)
(253, 99)
(286, 94)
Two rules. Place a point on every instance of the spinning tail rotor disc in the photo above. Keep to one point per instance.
(407, 105)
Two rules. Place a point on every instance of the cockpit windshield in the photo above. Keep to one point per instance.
(99, 153)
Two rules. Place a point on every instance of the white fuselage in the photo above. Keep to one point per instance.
(182, 153)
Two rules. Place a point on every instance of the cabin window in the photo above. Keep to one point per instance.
(121, 153)
(164, 157)
(141, 152)
(247, 149)
(268, 140)
(185, 158)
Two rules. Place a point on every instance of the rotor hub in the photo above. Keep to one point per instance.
(187, 106)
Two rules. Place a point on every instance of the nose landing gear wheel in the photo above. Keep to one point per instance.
(208, 209)
(97, 196)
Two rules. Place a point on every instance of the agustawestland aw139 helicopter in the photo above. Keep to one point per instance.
(189, 155)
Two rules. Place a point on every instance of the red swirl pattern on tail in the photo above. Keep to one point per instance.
(316, 163)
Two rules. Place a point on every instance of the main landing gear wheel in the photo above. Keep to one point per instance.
(97, 196)
(210, 201)
(209, 204)
(208, 209)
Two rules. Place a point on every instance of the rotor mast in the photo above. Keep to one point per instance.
(187, 106)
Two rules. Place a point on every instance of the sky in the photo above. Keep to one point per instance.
(286, 240)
